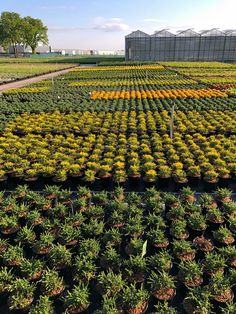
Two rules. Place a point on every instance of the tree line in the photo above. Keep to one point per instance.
(16, 30)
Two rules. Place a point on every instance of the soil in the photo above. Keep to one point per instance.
(164, 294)
(139, 309)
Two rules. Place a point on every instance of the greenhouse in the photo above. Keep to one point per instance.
(186, 45)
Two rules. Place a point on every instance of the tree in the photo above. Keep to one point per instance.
(11, 30)
(34, 32)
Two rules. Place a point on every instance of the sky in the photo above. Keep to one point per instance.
(103, 24)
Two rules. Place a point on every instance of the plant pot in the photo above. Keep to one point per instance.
(194, 282)
(139, 309)
(24, 309)
(76, 309)
(10, 230)
(164, 294)
(226, 297)
(55, 293)
(204, 245)
(186, 256)
(137, 277)
(194, 181)
(163, 244)
(189, 307)
(210, 186)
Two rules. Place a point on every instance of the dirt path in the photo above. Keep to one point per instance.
(31, 80)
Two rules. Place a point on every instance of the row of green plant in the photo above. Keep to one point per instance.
(9, 72)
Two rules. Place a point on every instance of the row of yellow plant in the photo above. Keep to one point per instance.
(172, 93)
(131, 83)
(127, 121)
(120, 68)
(27, 90)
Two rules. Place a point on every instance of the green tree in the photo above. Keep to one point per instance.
(11, 30)
(34, 32)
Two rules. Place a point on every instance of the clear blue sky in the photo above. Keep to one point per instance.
(102, 24)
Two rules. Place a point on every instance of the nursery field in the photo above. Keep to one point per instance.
(15, 71)
(72, 239)
(111, 124)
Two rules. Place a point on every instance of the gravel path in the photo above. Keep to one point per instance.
(31, 80)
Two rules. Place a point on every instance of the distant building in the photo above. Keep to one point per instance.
(187, 45)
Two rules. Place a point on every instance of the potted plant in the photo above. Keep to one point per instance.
(51, 284)
(134, 247)
(207, 201)
(112, 237)
(190, 273)
(44, 244)
(34, 218)
(197, 301)
(150, 176)
(51, 191)
(157, 238)
(162, 285)
(203, 244)
(13, 256)
(183, 250)
(213, 263)
(223, 195)
(230, 308)
(9, 224)
(84, 192)
(180, 176)
(100, 198)
(95, 212)
(229, 253)
(59, 256)
(187, 195)
(6, 279)
(164, 308)
(116, 219)
(110, 259)
(109, 283)
(211, 176)
(160, 261)
(89, 247)
(133, 227)
(109, 306)
(32, 269)
(77, 300)
(93, 228)
(22, 294)
(25, 235)
(223, 235)
(197, 221)
(176, 213)
(220, 288)
(74, 219)
(179, 230)
(21, 210)
(171, 200)
(119, 194)
(84, 269)
(134, 299)
(68, 235)
(215, 215)
(135, 268)
(43, 305)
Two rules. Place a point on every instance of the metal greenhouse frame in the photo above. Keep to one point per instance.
(186, 45)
